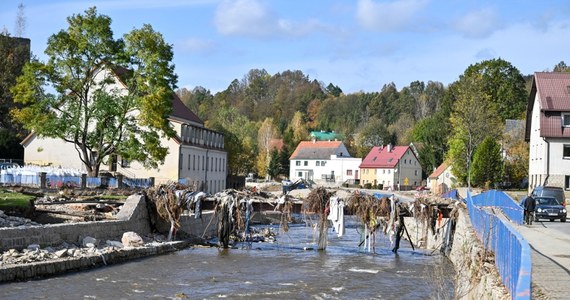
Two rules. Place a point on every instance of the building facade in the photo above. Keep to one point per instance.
(323, 162)
(548, 130)
(392, 168)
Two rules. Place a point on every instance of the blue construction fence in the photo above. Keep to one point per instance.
(500, 199)
(74, 182)
(512, 252)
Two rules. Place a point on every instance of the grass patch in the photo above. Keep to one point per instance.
(14, 200)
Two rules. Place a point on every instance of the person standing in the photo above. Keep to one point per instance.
(529, 205)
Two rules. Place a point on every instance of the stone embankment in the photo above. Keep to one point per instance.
(13, 221)
(34, 250)
(477, 275)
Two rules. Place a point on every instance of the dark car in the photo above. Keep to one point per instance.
(550, 191)
(549, 208)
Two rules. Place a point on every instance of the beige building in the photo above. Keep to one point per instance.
(395, 168)
(195, 155)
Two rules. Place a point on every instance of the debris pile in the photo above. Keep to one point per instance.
(89, 246)
(12, 221)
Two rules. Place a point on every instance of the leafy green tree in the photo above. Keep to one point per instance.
(487, 168)
(432, 132)
(373, 133)
(503, 83)
(473, 119)
(240, 139)
(333, 90)
(14, 53)
(274, 167)
(85, 66)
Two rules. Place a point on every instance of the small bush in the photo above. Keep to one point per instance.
(368, 186)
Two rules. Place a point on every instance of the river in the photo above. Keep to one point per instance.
(289, 268)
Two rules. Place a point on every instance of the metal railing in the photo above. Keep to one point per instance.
(500, 199)
(512, 252)
(59, 182)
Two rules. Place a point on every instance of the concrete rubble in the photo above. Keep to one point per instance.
(89, 247)
(12, 221)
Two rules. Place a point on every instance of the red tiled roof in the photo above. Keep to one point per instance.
(552, 87)
(315, 149)
(438, 171)
(380, 158)
(553, 90)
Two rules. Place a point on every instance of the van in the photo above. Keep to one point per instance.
(550, 191)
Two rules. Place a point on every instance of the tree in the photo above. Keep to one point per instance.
(472, 120)
(90, 108)
(274, 167)
(503, 83)
(432, 132)
(373, 133)
(20, 21)
(487, 168)
(14, 53)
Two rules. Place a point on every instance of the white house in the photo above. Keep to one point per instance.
(395, 168)
(442, 179)
(322, 162)
(196, 154)
(548, 130)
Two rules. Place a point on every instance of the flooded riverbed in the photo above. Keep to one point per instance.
(280, 270)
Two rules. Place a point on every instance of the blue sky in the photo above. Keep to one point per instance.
(358, 45)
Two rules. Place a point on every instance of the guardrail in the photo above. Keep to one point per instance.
(500, 199)
(512, 252)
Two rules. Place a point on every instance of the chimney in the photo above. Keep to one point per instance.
(389, 146)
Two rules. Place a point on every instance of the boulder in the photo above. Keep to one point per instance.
(89, 240)
(116, 244)
(61, 253)
(132, 239)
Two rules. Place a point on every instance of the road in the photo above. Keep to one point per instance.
(550, 244)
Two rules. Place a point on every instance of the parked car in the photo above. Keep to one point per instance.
(549, 208)
(550, 191)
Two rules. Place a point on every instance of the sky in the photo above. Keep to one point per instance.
(357, 45)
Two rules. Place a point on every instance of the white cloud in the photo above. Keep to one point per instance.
(479, 24)
(254, 19)
(196, 45)
(245, 18)
(388, 16)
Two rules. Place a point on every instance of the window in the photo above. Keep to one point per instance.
(203, 162)
(188, 161)
(125, 163)
(383, 171)
(566, 152)
(193, 161)
(300, 174)
(565, 120)
(298, 163)
(415, 173)
(180, 162)
(567, 182)
(388, 171)
(305, 163)
(318, 163)
(322, 163)
(348, 172)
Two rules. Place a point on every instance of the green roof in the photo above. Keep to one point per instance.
(325, 135)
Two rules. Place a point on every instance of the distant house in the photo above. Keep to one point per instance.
(323, 162)
(392, 167)
(548, 130)
(441, 180)
(195, 155)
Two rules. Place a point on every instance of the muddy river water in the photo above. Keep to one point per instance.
(285, 269)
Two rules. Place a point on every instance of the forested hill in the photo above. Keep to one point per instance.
(290, 104)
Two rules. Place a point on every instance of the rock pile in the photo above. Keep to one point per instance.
(12, 221)
(89, 247)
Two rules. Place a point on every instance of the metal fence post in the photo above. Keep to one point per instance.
(43, 180)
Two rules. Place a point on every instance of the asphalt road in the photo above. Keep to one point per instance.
(550, 244)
